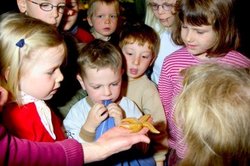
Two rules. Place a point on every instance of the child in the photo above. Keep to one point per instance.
(139, 44)
(50, 11)
(207, 30)
(100, 74)
(69, 22)
(160, 15)
(102, 16)
(31, 55)
(213, 111)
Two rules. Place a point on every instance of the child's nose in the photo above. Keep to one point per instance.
(107, 91)
(60, 76)
(107, 20)
(137, 61)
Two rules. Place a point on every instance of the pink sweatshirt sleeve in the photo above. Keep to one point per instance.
(16, 151)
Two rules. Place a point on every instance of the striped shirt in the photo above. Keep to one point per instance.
(170, 85)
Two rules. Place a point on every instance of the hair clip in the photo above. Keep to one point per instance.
(20, 43)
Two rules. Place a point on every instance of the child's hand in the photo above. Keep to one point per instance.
(97, 114)
(3, 97)
(116, 112)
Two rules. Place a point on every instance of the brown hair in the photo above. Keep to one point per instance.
(218, 13)
(141, 33)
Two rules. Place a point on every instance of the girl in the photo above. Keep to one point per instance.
(206, 28)
(160, 15)
(31, 55)
(50, 11)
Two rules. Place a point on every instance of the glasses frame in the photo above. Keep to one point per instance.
(165, 6)
(60, 6)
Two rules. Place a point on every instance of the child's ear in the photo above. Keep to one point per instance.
(79, 78)
(21, 5)
(89, 21)
(6, 73)
(152, 61)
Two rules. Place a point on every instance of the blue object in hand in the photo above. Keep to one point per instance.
(106, 124)
(106, 102)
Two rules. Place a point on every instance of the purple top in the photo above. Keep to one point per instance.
(15, 151)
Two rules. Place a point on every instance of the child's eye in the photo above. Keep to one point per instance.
(145, 57)
(115, 84)
(96, 87)
(200, 32)
(51, 72)
(99, 16)
(113, 16)
(128, 53)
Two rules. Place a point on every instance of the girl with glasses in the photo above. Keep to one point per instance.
(160, 15)
(50, 11)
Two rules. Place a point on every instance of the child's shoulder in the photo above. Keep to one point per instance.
(126, 101)
(129, 107)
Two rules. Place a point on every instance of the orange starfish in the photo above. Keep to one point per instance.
(136, 125)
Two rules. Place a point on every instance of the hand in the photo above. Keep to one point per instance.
(3, 97)
(97, 114)
(116, 112)
(113, 141)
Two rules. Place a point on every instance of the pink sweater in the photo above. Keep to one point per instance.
(170, 85)
(14, 151)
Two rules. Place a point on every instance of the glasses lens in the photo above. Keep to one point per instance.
(154, 6)
(166, 7)
(46, 6)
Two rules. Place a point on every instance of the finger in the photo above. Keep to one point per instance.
(139, 138)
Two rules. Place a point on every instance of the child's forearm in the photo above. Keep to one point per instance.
(86, 135)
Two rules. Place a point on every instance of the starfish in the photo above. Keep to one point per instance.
(136, 125)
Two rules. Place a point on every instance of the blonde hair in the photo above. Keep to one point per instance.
(213, 111)
(92, 6)
(35, 34)
(98, 54)
(152, 20)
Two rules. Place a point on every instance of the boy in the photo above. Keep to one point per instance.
(139, 44)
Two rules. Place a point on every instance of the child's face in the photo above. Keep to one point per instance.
(198, 39)
(102, 84)
(33, 9)
(138, 59)
(70, 14)
(166, 17)
(104, 19)
(41, 75)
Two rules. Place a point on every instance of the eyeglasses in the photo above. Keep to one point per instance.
(165, 6)
(45, 6)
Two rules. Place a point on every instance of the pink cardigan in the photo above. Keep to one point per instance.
(15, 151)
